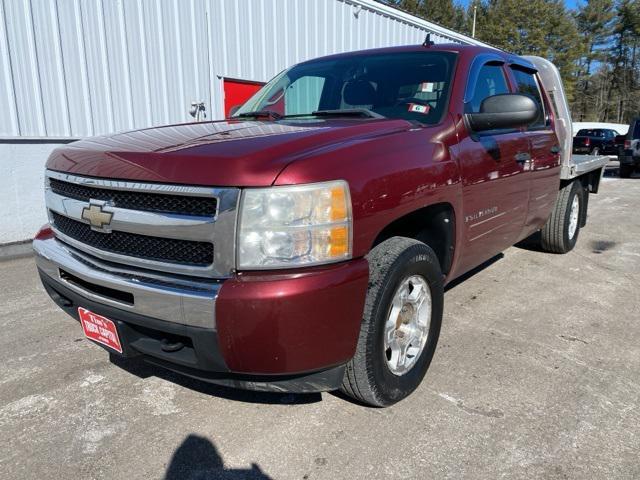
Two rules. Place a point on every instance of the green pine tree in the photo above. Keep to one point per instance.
(533, 27)
(443, 12)
(623, 87)
(594, 21)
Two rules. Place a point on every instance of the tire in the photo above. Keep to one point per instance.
(595, 151)
(369, 376)
(625, 171)
(556, 235)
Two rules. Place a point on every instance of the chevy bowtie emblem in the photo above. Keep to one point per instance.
(96, 215)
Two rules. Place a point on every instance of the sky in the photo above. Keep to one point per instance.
(568, 3)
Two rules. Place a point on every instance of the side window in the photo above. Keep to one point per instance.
(491, 81)
(303, 95)
(528, 85)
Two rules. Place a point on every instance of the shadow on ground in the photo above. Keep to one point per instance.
(142, 369)
(198, 459)
(463, 278)
(532, 243)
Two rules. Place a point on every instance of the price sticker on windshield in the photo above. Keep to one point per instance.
(416, 108)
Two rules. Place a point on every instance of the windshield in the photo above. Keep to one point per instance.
(411, 85)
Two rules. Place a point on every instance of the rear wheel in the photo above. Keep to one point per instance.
(560, 233)
(625, 170)
(400, 325)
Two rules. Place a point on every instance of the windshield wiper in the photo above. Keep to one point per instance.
(260, 113)
(347, 112)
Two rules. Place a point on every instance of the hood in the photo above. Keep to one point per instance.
(224, 153)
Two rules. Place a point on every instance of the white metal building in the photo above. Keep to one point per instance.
(76, 68)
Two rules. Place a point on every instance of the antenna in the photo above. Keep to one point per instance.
(427, 41)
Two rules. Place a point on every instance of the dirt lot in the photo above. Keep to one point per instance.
(537, 375)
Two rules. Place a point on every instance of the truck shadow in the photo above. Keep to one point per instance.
(474, 271)
(198, 458)
(142, 369)
(532, 243)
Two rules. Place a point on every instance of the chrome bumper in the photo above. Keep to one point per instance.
(164, 297)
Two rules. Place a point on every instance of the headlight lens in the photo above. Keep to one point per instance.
(294, 226)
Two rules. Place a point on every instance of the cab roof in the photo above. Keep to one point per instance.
(463, 50)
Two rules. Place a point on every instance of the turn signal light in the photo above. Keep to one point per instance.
(44, 233)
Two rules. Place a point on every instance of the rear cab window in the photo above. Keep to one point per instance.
(592, 133)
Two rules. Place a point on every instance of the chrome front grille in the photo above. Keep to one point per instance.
(168, 250)
(177, 229)
(149, 202)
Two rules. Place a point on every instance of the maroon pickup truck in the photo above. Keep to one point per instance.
(304, 244)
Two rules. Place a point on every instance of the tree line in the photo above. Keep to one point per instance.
(596, 46)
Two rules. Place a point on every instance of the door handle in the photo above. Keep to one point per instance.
(522, 157)
(555, 149)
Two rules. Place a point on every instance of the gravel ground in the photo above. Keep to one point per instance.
(537, 375)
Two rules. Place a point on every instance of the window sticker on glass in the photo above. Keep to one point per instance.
(426, 87)
(416, 108)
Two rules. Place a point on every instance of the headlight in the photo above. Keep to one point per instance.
(293, 226)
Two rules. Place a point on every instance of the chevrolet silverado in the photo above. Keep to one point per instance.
(304, 243)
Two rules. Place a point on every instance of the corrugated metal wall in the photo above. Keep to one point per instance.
(74, 68)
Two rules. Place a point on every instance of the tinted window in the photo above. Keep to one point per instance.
(528, 85)
(412, 85)
(585, 132)
(491, 81)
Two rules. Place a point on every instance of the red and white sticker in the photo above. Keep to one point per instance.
(416, 108)
(99, 329)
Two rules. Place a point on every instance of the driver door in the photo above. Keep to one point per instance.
(494, 184)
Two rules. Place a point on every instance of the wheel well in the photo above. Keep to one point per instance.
(590, 182)
(433, 225)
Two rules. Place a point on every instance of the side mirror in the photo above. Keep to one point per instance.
(505, 110)
(233, 110)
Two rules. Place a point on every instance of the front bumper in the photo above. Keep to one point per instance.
(284, 331)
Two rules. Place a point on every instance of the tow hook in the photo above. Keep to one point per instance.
(170, 347)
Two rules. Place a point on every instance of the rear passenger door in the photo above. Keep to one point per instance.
(492, 166)
(544, 167)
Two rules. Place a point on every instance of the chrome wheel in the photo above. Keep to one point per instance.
(407, 326)
(573, 216)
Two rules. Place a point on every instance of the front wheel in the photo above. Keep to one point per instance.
(400, 325)
(560, 233)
